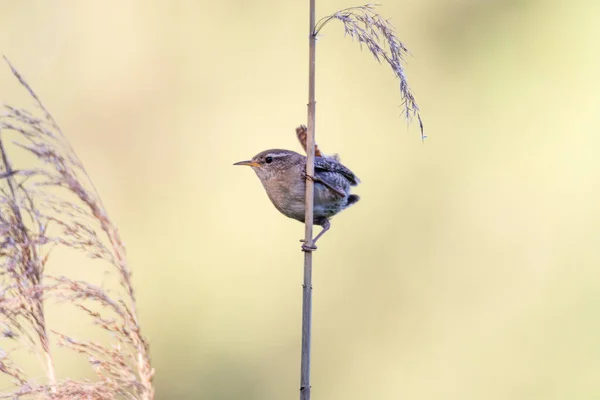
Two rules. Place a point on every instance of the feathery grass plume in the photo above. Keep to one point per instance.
(365, 25)
(54, 204)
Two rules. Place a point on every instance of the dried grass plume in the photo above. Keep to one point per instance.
(368, 28)
(43, 207)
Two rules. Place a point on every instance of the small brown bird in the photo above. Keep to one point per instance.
(283, 175)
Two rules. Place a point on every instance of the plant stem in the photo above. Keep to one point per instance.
(308, 213)
(33, 270)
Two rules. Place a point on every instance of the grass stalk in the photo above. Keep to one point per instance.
(308, 209)
(364, 25)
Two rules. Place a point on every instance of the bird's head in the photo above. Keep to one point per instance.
(269, 163)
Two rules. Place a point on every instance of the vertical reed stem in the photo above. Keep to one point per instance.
(308, 220)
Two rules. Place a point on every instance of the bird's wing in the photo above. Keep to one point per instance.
(332, 181)
(326, 164)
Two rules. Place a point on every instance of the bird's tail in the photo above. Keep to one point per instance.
(302, 134)
(353, 198)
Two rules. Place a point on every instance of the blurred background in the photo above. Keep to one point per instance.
(469, 269)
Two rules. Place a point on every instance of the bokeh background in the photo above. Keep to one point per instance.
(469, 270)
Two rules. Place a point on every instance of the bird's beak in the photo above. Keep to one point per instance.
(250, 163)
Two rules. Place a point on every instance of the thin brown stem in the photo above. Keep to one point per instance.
(308, 212)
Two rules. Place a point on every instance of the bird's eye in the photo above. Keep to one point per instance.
(268, 160)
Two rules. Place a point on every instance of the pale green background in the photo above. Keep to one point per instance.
(470, 269)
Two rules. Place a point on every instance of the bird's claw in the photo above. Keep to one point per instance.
(309, 177)
(307, 248)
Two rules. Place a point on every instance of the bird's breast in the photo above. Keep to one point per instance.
(287, 193)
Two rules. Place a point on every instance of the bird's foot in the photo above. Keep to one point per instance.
(307, 248)
(309, 177)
